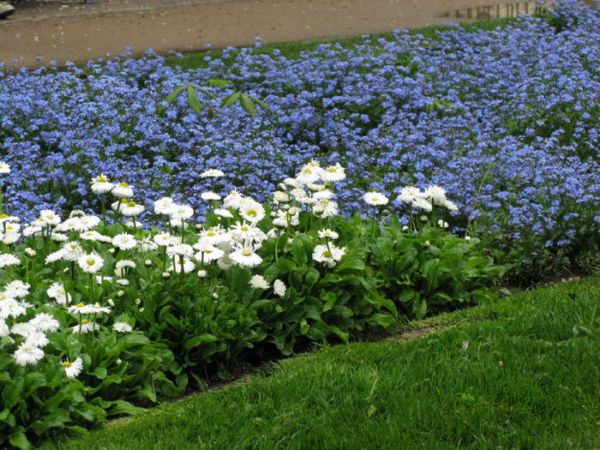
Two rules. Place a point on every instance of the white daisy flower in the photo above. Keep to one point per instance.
(17, 289)
(208, 253)
(59, 237)
(280, 197)
(101, 184)
(329, 255)
(9, 307)
(90, 263)
(4, 167)
(72, 368)
(233, 200)
(72, 251)
(180, 250)
(164, 206)
(124, 241)
(435, 194)
(246, 257)
(225, 262)
(47, 216)
(333, 174)
(310, 173)
(177, 266)
(409, 194)
(7, 259)
(122, 190)
(251, 210)
(325, 208)
(55, 256)
(259, 282)
(181, 212)
(212, 173)
(375, 199)
(122, 327)
(28, 354)
(57, 292)
(210, 196)
(279, 288)
(326, 233)
(130, 208)
(222, 212)
(85, 327)
(36, 339)
(165, 239)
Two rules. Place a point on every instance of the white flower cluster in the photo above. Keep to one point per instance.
(427, 199)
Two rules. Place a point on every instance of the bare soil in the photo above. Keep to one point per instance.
(67, 31)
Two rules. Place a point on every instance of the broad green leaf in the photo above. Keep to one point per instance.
(193, 100)
(247, 104)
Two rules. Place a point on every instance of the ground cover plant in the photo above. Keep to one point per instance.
(102, 314)
(506, 120)
(517, 373)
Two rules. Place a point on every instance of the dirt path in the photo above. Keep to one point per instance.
(35, 35)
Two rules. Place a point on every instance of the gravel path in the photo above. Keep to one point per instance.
(37, 34)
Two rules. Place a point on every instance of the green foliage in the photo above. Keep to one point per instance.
(247, 102)
(431, 271)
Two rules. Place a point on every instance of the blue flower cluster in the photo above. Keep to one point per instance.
(506, 120)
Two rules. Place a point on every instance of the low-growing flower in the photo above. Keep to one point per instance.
(328, 254)
(72, 368)
(27, 354)
(90, 263)
(375, 199)
(279, 288)
(122, 327)
(259, 282)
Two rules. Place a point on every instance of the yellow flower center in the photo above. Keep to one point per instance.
(123, 184)
(327, 254)
(3, 216)
(90, 261)
(252, 213)
(80, 305)
(247, 252)
(67, 364)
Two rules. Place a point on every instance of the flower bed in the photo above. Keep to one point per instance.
(506, 120)
(100, 317)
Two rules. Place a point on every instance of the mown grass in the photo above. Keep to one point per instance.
(293, 50)
(530, 378)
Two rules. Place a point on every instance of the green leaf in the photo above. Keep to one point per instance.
(7, 418)
(311, 278)
(247, 104)
(231, 99)
(193, 100)
(205, 338)
(123, 407)
(173, 95)
(345, 337)
(217, 82)
(100, 373)
(19, 440)
(12, 393)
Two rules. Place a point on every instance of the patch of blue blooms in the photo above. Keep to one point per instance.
(507, 121)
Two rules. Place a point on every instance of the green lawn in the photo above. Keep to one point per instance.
(293, 49)
(530, 378)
